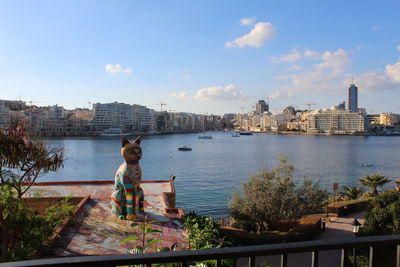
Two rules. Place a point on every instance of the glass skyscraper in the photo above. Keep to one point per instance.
(353, 98)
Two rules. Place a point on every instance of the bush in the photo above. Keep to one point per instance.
(203, 232)
(383, 215)
(22, 233)
(271, 198)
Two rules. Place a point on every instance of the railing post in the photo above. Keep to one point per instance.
(398, 256)
(343, 257)
(252, 261)
(184, 264)
(371, 256)
(219, 262)
(354, 257)
(314, 258)
(284, 260)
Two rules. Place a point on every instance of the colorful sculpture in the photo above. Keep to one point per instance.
(127, 199)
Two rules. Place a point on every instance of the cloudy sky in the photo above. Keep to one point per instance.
(201, 56)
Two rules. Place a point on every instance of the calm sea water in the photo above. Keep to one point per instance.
(206, 176)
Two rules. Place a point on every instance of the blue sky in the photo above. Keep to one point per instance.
(201, 56)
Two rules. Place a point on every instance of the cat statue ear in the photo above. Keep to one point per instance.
(138, 140)
(124, 141)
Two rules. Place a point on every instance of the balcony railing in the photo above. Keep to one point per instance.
(248, 252)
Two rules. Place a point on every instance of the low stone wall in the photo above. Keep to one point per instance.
(345, 207)
(39, 205)
(307, 228)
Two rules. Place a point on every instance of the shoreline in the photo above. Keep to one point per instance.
(186, 132)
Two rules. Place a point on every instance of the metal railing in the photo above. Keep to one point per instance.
(248, 252)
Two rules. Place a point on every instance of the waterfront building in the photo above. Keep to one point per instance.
(336, 122)
(388, 119)
(353, 98)
(124, 116)
(37, 118)
(4, 116)
(56, 112)
(262, 107)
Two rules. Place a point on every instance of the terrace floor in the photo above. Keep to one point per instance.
(96, 231)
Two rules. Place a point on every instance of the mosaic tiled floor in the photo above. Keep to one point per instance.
(96, 231)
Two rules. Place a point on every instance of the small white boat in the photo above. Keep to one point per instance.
(235, 134)
(184, 148)
(113, 132)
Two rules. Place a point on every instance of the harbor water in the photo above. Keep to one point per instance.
(207, 175)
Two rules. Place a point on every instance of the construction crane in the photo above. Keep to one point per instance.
(309, 105)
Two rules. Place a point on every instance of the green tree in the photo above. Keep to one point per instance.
(352, 192)
(23, 160)
(383, 216)
(272, 197)
(374, 181)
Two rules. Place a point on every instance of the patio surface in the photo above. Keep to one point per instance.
(96, 231)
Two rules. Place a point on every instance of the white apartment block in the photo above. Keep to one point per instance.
(336, 122)
(124, 116)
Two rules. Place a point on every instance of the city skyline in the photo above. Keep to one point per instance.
(200, 57)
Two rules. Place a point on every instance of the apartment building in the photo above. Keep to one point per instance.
(336, 122)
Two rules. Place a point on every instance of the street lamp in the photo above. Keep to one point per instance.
(356, 226)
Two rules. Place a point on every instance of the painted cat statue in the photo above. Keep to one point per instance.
(127, 199)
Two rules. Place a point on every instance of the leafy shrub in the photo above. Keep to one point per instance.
(383, 216)
(271, 198)
(203, 232)
(22, 233)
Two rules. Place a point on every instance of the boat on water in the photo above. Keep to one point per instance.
(113, 132)
(245, 133)
(235, 134)
(184, 148)
(204, 136)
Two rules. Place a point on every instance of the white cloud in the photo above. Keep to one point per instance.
(393, 71)
(295, 67)
(281, 95)
(337, 61)
(257, 37)
(182, 95)
(247, 21)
(186, 76)
(293, 56)
(398, 47)
(376, 27)
(115, 68)
(330, 75)
(229, 93)
(311, 53)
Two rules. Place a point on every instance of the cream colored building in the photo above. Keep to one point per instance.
(388, 119)
(336, 122)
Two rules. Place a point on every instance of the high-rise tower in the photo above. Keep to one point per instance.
(261, 106)
(353, 98)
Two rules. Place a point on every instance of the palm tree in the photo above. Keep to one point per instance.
(373, 181)
(352, 192)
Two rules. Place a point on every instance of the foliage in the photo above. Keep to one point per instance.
(271, 198)
(146, 229)
(203, 232)
(23, 160)
(352, 192)
(23, 233)
(374, 181)
(383, 216)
